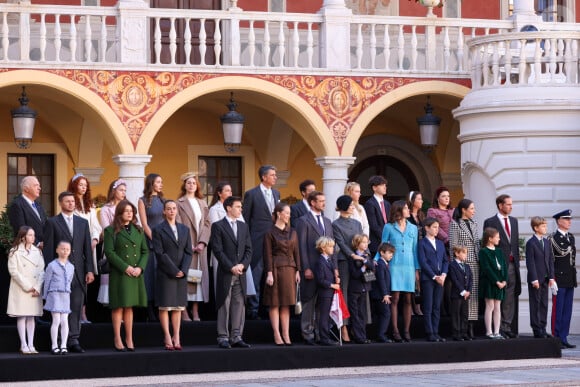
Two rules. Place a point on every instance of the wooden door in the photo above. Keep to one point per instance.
(194, 26)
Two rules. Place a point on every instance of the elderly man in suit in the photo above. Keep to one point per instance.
(259, 203)
(540, 265)
(302, 207)
(310, 227)
(377, 209)
(72, 228)
(231, 244)
(25, 210)
(509, 244)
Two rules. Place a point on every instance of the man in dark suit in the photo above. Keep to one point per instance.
(509, 245)
(540, 265)
(231, 244)
(259, 203)
(377, 210)
(26, 211)
(72, 228)
(302, 207)
(309, 228)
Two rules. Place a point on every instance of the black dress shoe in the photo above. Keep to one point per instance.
(568, 345)
(440, 339)
(509, 334)
(432, 339)
(457, 338)
(309, 342)
(467, 338)
(224, 344)
(76, 348)
(383, 340)
(328, 343)
(241, 344)
(121, 349)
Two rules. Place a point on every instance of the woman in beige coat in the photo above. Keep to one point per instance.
(193, 212)
(26, 268)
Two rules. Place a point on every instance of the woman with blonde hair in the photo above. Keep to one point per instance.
(352, 189)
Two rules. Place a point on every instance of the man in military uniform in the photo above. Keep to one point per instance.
(564, 249)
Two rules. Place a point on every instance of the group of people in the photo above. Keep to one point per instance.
(267, 254)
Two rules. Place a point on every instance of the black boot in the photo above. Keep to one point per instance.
(471, 330)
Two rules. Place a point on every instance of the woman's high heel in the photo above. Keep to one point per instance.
(407, 337)
(397, 337)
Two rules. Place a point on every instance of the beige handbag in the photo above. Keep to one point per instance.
(194, 275)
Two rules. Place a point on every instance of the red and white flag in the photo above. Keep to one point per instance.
(338, 310)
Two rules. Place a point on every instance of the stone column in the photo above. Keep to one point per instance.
(93, 174)
(334, 178)
(132, 32)
(132, 170)
(524, 14)
(334, 37)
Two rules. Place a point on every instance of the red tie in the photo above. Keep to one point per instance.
(382, 203)
(507, 227)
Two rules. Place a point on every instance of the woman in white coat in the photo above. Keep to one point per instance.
(26, 268)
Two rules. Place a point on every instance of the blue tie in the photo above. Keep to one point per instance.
(320, 226)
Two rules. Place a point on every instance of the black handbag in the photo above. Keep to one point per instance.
(369, 276)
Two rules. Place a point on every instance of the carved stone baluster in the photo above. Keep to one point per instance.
(217, 45)
(460, 49)
(5, 40)
(508, 63)
(310, 45)
(295, 44)
(88, 41)
(172, 40)
(103, 44)
(386, 46)
(373, 42)
(187, 41)
(414, 46)
(281, 43)
(359, 46)
(522, 67)
(266, 44)
(401, 47)
(252, 43)
(42, 37)
(202, 42)
(446, 49)
(73, 39)
(57, 38)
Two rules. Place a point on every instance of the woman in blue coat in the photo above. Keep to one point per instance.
(404, 267)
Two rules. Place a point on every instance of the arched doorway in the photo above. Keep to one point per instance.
(400, 177)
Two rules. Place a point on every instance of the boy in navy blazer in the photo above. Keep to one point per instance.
(540, 264)
(326, 279)
(381, 291)
(434, 265)
(461, 284)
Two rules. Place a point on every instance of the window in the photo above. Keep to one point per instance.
(213, 169)
(41, 166)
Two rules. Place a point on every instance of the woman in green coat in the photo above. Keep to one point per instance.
(493, 280)
(127, 253)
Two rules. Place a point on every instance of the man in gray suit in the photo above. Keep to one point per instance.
(232, 246)
(310, 227)
(509, 245)
(259, 203)
(72, 228)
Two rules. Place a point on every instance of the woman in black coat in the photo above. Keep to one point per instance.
(173, 251)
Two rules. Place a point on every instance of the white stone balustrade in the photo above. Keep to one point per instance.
(530, 58)
(134, 34)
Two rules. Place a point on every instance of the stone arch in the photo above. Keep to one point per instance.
(91, 105)
(389, 99)
(286, 104)
(410, 154)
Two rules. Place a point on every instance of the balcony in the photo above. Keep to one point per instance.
(135, 37)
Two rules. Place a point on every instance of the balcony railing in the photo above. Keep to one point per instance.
(234, 40)
(529, 58)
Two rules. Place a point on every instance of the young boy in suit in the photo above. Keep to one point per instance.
(328, 281)
(540, 264)
(461, 283)
(381, 291)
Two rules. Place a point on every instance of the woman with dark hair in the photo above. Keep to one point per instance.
(150, 207)
(192, 211)
(417, 216)
(117, 192)
(282, 268)
(463, 232)
(442, 211)
(26, 268)
(404, 267)
(127, 253)
(85, 208)
(173, 249)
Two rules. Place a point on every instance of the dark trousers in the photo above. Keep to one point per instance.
(357, 306)
(77, 300)
(382, 315)
(459, 317)
(508, 305)
(538, 307)
(323, 305)
(562, 305)
(432, 295)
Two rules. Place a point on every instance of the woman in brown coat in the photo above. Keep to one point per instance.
(193, 212)
(282, 265)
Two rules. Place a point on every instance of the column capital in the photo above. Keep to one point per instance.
(335, 161)
(131, 159)
(132, 170)
(92, 174)
(334, 178)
